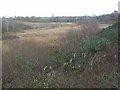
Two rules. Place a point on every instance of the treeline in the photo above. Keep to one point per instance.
(13, 25)
(47, 19)
(106, 18)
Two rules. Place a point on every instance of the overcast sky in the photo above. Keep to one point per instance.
(45, 8)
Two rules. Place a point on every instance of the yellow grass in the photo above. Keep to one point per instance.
(34, 43)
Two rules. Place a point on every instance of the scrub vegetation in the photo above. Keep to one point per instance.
(60, 54)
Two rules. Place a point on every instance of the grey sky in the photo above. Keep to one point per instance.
(58, 7)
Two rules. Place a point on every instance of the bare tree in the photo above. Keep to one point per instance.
(6, 24)
(89, 26)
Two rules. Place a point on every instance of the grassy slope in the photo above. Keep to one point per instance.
(26, 64)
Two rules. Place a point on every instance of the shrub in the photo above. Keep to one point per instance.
(89, 26)
(110, 33)
(82, 46)
(93, 45)
(116, 24)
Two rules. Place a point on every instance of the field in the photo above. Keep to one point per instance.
(29, 59)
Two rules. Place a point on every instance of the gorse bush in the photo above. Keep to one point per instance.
(93, 45)
(110, 33)
(116, 24)
(68, 61)
(86, 48)
(76, 61)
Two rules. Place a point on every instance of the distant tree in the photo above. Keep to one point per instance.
(89, 25)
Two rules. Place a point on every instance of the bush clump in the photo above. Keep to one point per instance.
(110, 33)
(86, 49)
(93, 45)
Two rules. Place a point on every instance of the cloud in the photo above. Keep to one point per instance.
(58, 7)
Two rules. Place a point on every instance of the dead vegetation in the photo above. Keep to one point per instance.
(52, 58)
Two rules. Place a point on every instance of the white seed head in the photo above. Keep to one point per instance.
(84, 55)
(104, 55)
(74, 55)
(45, 68)
(115, 56)
(70, 60)
(50, 67)
(64, 64)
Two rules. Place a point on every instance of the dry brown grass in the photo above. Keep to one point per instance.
(33, 45)
(36, 46)
(31, 50)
